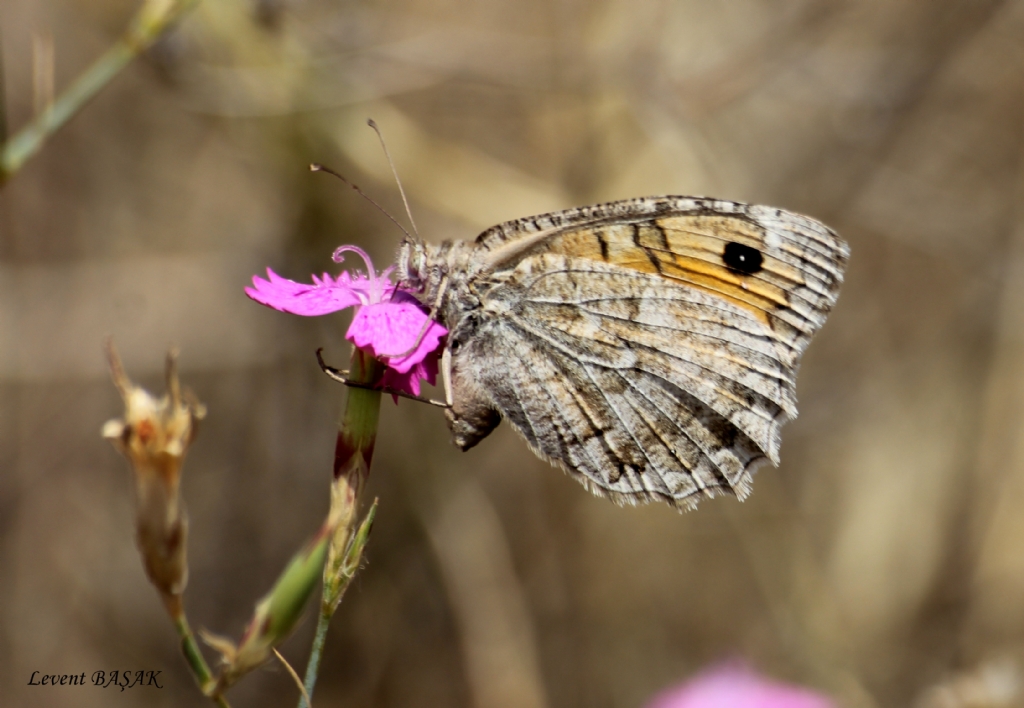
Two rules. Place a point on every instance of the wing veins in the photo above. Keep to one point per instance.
(769, 374)
(782, 312)
(579, 443)
(701, 486)
(538, 333)
(651, 464)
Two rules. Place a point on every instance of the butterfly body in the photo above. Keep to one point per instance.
(649, 347)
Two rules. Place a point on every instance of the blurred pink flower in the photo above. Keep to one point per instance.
(387, 323)
(733, 685)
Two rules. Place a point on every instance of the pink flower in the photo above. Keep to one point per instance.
(389, 323)
(733, 685)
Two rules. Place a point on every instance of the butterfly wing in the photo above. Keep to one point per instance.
(649, 347)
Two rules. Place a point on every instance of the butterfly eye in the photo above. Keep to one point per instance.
(742, 259)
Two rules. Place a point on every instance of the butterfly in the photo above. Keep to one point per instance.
(649, 347)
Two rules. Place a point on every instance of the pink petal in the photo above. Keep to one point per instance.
(409, 382)
(391, 329)
(389, 323)
(735, 686)
(323, 296)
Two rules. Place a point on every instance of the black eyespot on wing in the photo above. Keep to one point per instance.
(742, 259)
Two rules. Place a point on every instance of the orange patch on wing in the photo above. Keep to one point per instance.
(688, 250)
(584, 243)
(694, 254)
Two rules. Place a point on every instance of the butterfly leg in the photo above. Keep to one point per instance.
(446, 375)
(340, 376)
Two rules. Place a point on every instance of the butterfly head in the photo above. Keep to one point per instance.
(412, 265)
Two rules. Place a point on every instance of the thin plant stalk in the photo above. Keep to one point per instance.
(194, 658)
(153, 19)
(323, 620)
(3, 94)
(357, 434)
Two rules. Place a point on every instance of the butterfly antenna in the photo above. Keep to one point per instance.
(370, 122)
(315, 167)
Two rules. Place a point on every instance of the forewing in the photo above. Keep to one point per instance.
(790, 286)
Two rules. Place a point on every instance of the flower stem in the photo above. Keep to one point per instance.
(313, 667)
(194, 657)
(3, 98)
(353, 452)
(153, 19)
(357, 426)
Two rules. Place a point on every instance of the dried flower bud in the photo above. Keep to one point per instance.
(154, 435)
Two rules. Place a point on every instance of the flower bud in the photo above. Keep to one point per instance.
(275, 615)
(154, 435)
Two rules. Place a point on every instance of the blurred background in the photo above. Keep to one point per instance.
(883, 562)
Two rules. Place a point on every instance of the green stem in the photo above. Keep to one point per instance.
(3, 95)
(194, 658)
(357, 434)
(153, 19)
(313, 667)
(357, 426)
(30, 139)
